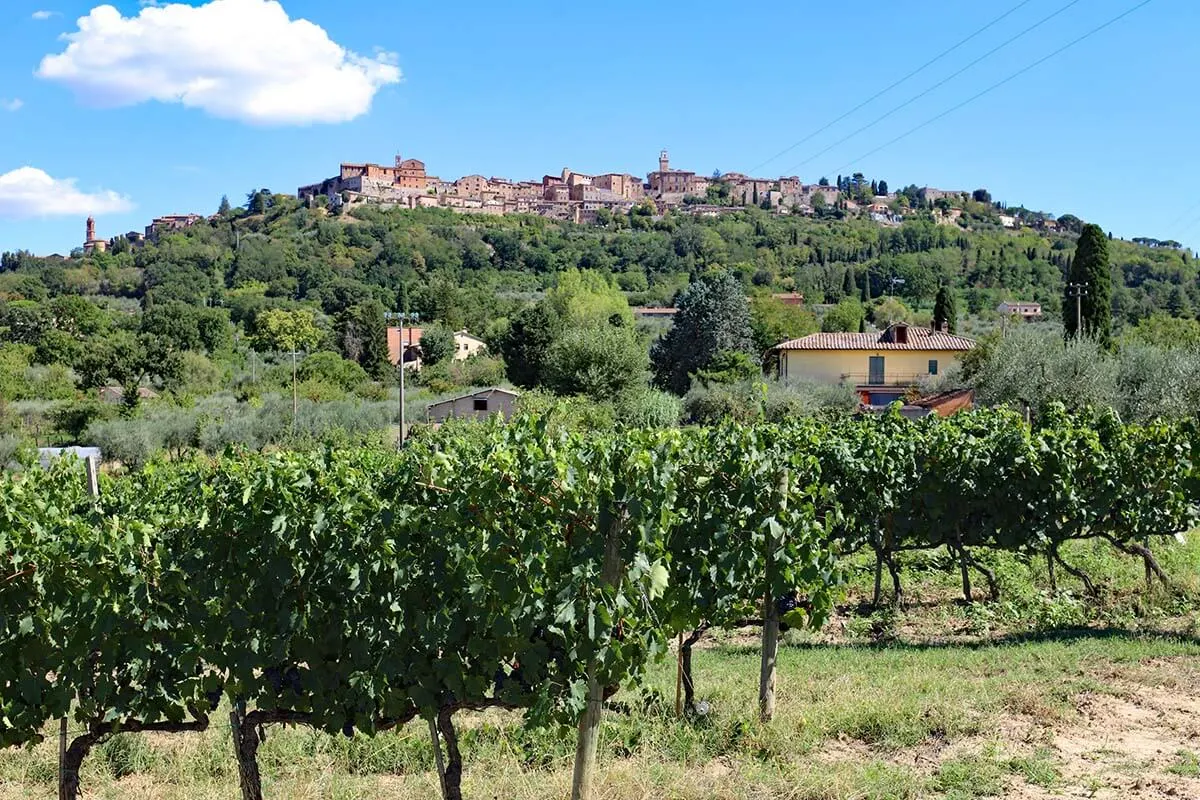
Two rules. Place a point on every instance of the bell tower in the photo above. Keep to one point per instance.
(91, 230)
(664, 163)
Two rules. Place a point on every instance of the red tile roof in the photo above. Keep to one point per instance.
(918, 339)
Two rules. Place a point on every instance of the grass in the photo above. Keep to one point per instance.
(929, 714)
(849, 721)
(1186, 763)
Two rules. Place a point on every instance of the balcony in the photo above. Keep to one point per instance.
(887, 379)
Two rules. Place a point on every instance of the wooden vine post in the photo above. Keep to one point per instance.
(679, 677)
(245, 748)
(770, 633)
(437, 756)
(589, 722)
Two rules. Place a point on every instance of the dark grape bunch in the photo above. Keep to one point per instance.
(278, 678)
(786, 604)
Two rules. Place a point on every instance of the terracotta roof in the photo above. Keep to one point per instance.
(918, 339)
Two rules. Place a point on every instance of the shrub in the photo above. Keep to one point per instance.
(198, 375)
(318, 391)
(708, 405)
(129, 441)
(782, 401)
(649, 408)
(330, 368)
(599, 361)
(14, 451)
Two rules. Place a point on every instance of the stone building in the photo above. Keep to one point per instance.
(170, 223)
(669, 181)
(790, 186)
(91, 244)
(471, 186)
(627, 186)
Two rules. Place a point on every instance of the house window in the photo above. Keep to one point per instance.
(481, 404)
(933, 366)
(875, 373)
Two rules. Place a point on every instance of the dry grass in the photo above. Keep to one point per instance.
(1098, 715)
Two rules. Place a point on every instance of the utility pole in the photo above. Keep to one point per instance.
(1077, 290)
(400, 316)
(403, 435)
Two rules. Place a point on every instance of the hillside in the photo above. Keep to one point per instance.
(201, 323)
(471, 270)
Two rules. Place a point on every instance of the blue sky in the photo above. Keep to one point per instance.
(1105, 130)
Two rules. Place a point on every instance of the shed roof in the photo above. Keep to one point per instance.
(480, 393)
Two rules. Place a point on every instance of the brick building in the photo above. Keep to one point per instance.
(669, 181)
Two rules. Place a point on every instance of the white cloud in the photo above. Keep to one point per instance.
(29, 192)
(236, 59)
(16, 104)
(44, 14)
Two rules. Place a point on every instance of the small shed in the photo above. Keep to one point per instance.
(115, 394)
(476, 405)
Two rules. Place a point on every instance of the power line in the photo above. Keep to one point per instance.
(1173, 225)
(998, 84)
(935, 86)
(884, 91)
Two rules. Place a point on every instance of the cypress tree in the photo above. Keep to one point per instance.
(862, 324)
(1090, 269)
(848, 283)
(945, 310)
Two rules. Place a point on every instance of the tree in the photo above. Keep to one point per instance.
(1178, 302)
(1165, 331)
(362, 336)
(823, 182)
(257, 202)
(773, 321)
(600, 361)
(883, 187)
(1070, 223)
(981, 196)
(526, 344)
(1090, 270)
(225, 208)
(25, 321)
(287, 331)
(58, 347)
(945, 310)
(586, 297)
(848, 287)
(888, 311)
(714, 315)
(845, 316)
(437, 345)
(729, 367)
(128, 360)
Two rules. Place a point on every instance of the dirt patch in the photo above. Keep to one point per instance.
(1136, 740)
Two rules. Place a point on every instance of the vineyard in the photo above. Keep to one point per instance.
(517, 567)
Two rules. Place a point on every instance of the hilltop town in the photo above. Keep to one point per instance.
(581, 198)
(571, 196)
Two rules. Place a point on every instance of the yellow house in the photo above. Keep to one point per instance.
(880, 366)
(466, 345)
